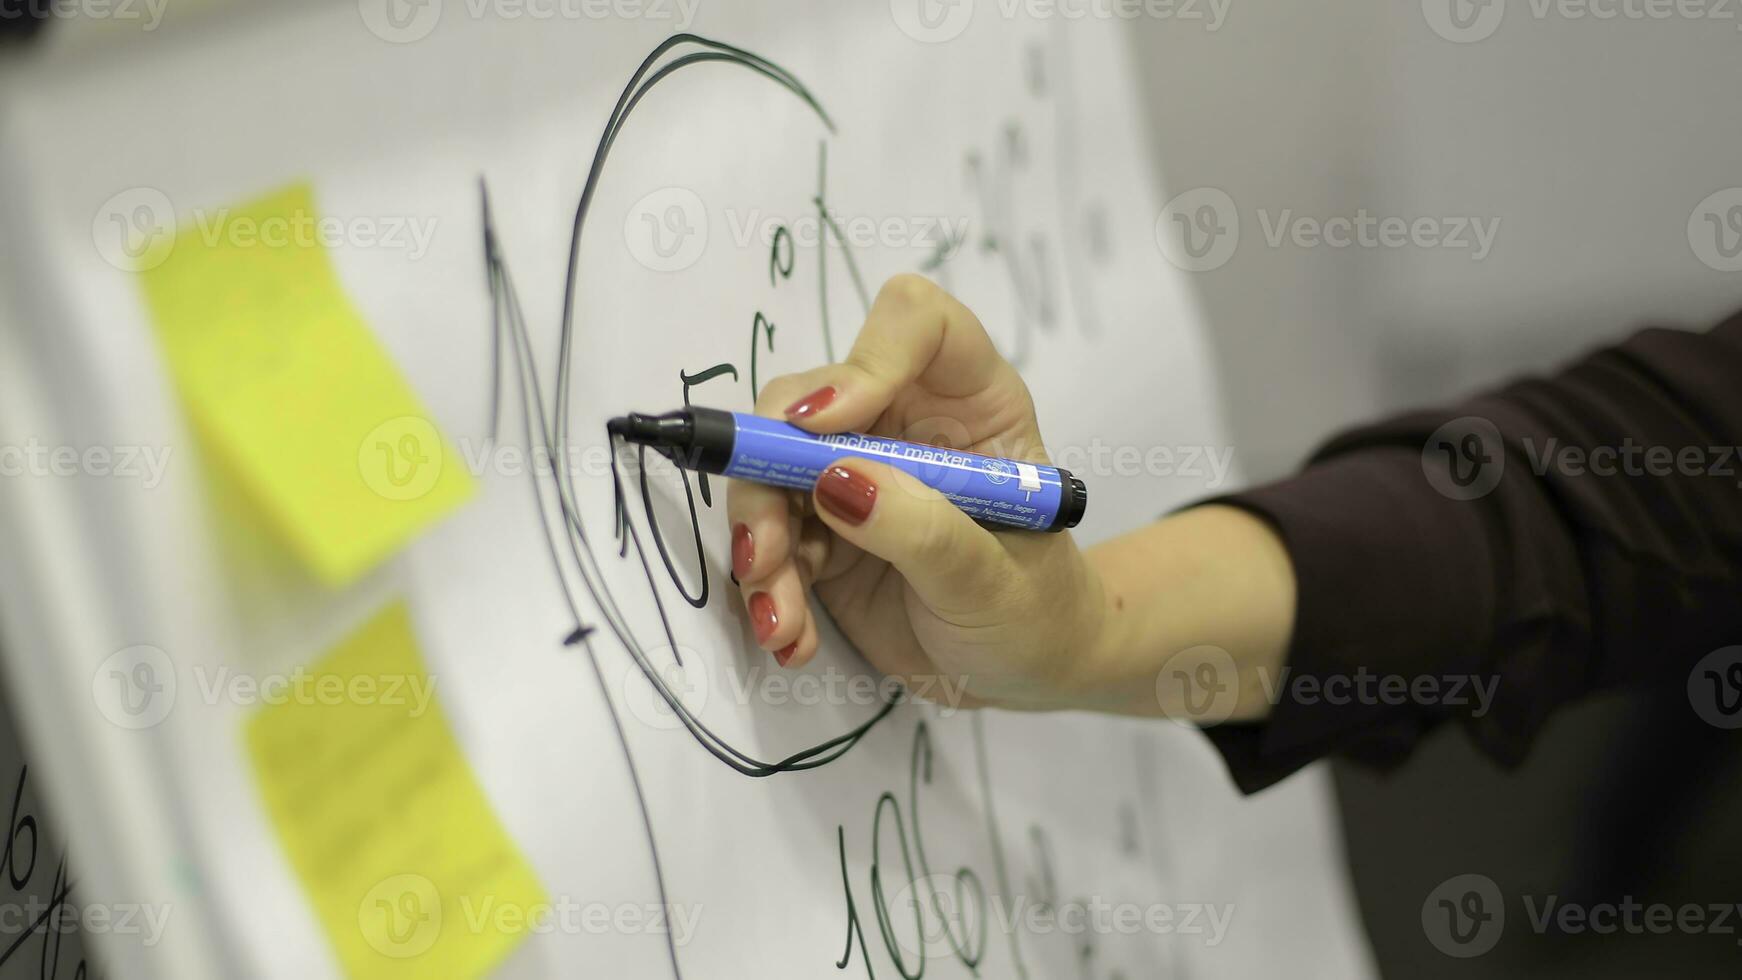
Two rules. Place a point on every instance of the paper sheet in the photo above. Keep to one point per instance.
(294, 395)
(406, 864)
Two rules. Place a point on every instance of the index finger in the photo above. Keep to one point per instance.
(915, 333)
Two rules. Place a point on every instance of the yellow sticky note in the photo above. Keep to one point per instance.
(406, 865)
(292, 393)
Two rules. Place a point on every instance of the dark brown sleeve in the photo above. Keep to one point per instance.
(1553, 538)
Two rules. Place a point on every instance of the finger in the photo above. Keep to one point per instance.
(957, 568)
(915, 332)
(760, 517)
(816, 550)
(778, 609)
(779, 392)
(802, 649)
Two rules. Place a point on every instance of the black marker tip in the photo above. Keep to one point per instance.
(672, 430)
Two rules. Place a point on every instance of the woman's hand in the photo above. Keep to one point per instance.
(927, 595)
(965, 616)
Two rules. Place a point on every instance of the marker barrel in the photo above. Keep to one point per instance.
(1003, 492)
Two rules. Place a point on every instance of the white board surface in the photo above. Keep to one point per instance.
(1022, 134)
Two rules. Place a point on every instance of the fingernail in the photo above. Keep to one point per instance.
(762, 616)
(812, 403)
(784, 654)
(846, 494)
(743, 551)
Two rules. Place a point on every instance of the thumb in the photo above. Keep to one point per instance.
(955, 565)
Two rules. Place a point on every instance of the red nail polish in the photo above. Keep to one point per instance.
(743, 551)
(784, 655)
(812, 403)
(846, 494)
(762, 616)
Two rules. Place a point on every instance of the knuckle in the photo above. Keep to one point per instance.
(873, 364)
(777, 393)
(936, 543)
(755, 505)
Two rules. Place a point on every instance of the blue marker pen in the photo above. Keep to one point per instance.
(1003, 492)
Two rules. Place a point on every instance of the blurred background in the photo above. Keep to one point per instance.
(1595, 141)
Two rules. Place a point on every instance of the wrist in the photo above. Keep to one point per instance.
(1107, 672)
(1196, 609)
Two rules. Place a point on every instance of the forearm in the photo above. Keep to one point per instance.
(1494, 560)
(1198, 611)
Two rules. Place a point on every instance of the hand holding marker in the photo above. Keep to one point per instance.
(990, 489)
(893, 536)
(1200, 615)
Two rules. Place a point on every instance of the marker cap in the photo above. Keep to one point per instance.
(1072, 503)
